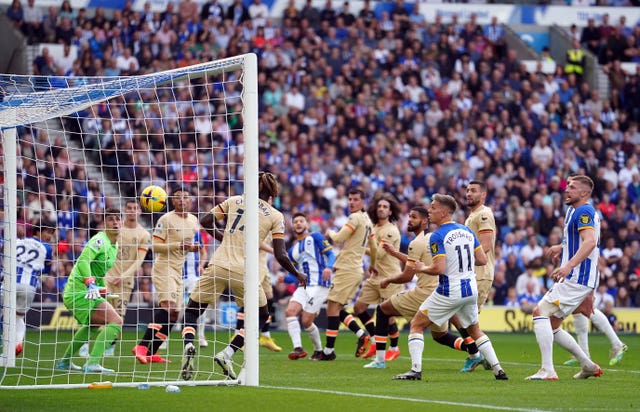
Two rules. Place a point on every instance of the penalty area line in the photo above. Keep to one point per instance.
(398, 398)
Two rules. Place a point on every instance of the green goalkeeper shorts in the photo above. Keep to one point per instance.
(80, 308)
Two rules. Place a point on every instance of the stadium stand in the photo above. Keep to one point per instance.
(394, 103)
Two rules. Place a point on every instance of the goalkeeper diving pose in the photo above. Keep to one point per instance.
(83, 297)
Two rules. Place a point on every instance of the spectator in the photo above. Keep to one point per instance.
(576, 61)
(511, 300)
(524, 279)
(15, 13)
(611, 317)
(601, 296)
(494, 33)
(127, 62)
(531, 250)
(65, 61)
(530, 298)
(634, 290)
(32, 27)
(259, 13)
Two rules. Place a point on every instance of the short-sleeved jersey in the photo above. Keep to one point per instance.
(130, 240)
(419, 252)
(192, 262)
(386, 265)
(33, 258)
(584, 217)
(309, 256)
(97, 257)
(230, 253)
(481, 220)
(173, 228)
(353, 249)
(457, 244)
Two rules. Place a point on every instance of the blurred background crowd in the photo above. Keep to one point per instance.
(390, 103)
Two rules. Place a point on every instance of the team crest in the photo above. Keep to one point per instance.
(434, 248)
(584, 219)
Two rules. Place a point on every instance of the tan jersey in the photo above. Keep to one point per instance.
(481, 220)
(262, 265)
(172, 229)
(419, 252)
(386, 265)
(131, 241)
(352, 252)
(230, 253)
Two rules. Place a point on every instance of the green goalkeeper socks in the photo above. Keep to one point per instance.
(82, 336)
(104, 339)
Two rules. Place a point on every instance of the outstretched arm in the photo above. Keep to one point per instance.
(388, 247)
(280, 253)
(404, 277)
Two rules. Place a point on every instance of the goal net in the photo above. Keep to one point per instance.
(72, 147)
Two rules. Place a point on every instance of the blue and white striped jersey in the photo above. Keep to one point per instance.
(578, 219)
(457, 243)
(192, 261)
(33, 258)
(311, 255)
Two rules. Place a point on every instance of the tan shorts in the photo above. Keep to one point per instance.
(484, 287)
(265, 282)
(119, 295)
(344, 285)
(372, 294)
(169, 287)
(213, 282)
(408, 302)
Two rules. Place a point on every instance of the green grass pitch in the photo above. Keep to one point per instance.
(343, 385)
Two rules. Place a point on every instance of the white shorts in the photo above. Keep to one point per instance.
(311, 298)
(24, 297)
(189, 283)
(439, 309)
(566, 296)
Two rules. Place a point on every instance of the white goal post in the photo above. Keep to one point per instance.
(73, 146)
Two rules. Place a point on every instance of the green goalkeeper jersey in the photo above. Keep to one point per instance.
(97, 257)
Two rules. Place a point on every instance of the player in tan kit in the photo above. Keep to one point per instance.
(348, 273)
(133, 244)
(172, 240)
(483, 224)
(384, 212)
(265, 280)
(227, 266)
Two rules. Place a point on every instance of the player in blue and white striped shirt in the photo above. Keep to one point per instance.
(576, 279)
(455, 250)
(33, 259)
(312, 255)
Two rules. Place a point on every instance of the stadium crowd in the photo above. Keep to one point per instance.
(391, 103)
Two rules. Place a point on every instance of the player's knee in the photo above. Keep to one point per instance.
(544, 308)
(359, 307)
(437, 336)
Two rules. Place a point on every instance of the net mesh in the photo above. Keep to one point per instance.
(85, 144)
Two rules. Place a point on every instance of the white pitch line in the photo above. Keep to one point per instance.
(605, 368)
(414, 400)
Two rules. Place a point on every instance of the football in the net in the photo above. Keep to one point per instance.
(153, 199)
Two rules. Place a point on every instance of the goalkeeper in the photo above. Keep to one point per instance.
(84, 297)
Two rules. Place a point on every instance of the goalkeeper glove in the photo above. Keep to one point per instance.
(93, 291)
